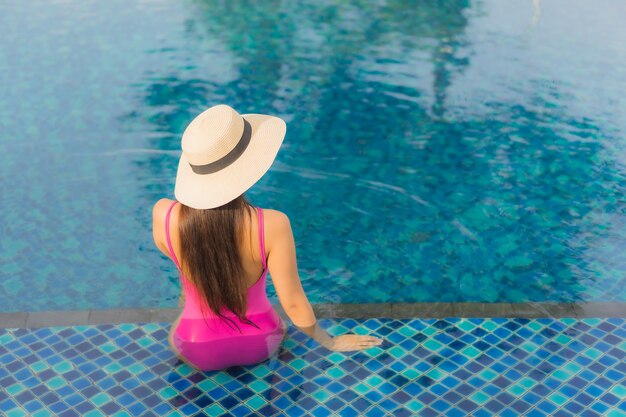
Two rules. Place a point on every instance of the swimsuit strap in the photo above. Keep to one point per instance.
(167, 233)
(262, 237)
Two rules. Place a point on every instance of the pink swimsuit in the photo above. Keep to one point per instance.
(211, 344)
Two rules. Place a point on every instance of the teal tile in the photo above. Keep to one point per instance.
(317, 378)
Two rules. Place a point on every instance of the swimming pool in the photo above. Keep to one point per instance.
(457, 152)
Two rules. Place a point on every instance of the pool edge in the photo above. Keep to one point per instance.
(36, 319)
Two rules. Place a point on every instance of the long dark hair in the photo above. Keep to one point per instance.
(210, 242)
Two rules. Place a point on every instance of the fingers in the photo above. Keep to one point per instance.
(369, 341)
(356, 342)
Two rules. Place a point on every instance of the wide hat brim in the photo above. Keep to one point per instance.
(205, 191)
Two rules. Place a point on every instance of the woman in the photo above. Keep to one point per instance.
(224, 247)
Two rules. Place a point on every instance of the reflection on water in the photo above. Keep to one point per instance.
(537, 6)
(434, 152)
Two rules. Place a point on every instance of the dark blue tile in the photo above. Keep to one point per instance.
(494, 406)
(374, 396)
(399, 380)
(361, 404)
(31, 406)
(126, 399)
(426, 398)
(189, 409)
(110, 408)
(269, 410)
(7, 405)
(440, 405)
(474, 367)
(181, 385)
(348, 380)
(127, 389)
(546, 406)
(586, 413)
(239, 411)
(454, 412)
(296, 411)
(335, 387)
(24, 397)
(438, 389)
(141, 392)
(282, 402)
(574, 407)
(481, 345)
(334, 404)
(388, 405)
(116, 391)
(295, 395)
(603, 383)
(425, 381)
(200, 402)
(452, 397)
(615, 376)
(137, 409)
(387, 388)
(429, 412)
(434, 359)
(610, 399)
(348, 396)
(467, 406)
(621, 367)
(375, 411)
(229, 402)
(521, 406)
(151, 401)
(58, 407)
(49, 398)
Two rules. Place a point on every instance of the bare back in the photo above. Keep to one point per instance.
(280, 251)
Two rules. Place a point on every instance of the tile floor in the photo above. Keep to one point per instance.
(426, 367)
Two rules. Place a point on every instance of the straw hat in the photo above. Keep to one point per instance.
(224, 154)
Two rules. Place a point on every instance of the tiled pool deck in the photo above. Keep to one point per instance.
(513, 360)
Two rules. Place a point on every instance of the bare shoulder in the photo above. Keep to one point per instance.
(275, 216)
(275, 220)
(160, 208)
(276, 224)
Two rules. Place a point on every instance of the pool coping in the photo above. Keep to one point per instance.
(36, 319)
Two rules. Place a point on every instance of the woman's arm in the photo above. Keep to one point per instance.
(283, 267)
(159, 210)
(284, 270)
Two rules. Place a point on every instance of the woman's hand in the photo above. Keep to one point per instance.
(349, 342)
(342, 343)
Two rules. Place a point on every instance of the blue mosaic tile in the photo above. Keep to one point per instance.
(509, 367)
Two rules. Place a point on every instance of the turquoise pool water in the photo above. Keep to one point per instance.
(458, 151)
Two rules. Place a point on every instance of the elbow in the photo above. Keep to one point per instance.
(301, 314)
